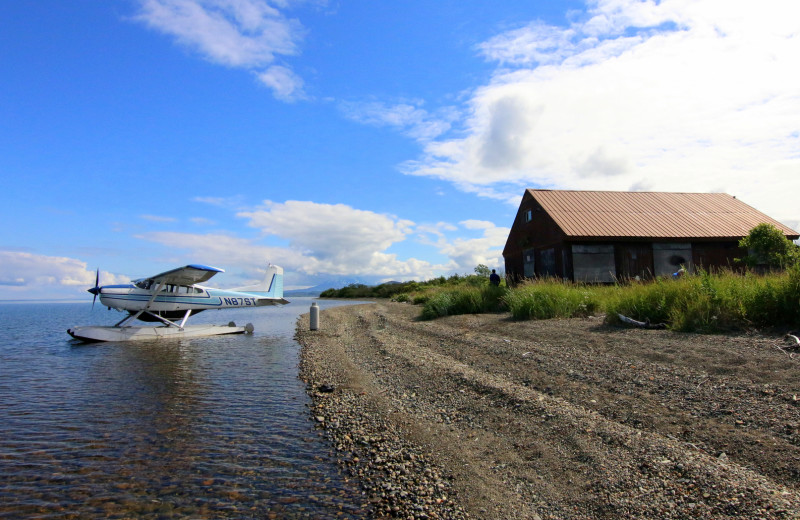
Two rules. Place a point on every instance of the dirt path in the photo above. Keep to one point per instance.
(484, 417)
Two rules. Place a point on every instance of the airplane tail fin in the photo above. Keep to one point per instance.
(271, 287)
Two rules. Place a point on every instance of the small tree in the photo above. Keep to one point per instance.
(766, 245)
(482, 270)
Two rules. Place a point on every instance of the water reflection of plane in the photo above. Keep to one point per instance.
(176, 295)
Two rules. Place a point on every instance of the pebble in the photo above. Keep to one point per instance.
(622, 469)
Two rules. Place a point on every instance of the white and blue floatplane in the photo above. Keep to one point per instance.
(170, 298)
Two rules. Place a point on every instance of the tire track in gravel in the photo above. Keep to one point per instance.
(548, 429)
(719, 414)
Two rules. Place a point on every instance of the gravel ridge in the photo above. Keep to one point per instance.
(479, 416)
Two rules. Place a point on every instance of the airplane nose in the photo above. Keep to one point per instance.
(96, 289)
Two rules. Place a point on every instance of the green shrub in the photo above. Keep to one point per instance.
(440, 304)
(420, 298)
(767, 245)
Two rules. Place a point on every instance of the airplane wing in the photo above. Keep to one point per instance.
(187, 275)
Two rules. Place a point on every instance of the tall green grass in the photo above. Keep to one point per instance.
(545, 299)
(463, 299)
(704, 302)
(712, 302)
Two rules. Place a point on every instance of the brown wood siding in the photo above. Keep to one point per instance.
(548, 262)
(634, 259)
(567, 269)
(538, 234)
(713, 256)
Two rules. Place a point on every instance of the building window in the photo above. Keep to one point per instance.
(528, 215)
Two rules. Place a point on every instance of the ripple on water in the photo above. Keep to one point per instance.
(214, 427)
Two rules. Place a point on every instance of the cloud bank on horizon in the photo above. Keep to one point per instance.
(322, 240)
(336, 239)
(23, 270)
(676, 95)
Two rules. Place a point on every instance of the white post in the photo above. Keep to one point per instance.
(314, 316)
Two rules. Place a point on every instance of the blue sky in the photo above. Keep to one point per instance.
(373, 140)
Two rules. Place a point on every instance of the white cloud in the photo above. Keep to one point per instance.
(486, 249)
(344, 239)
(29, 275)
(238, 256)
(222, 202)
(535, 43)
(285, 84)
(479, 224)
(679, 95)
(157, 218)
(245, 34)
(408, 118)
(336, 239)
(322, 239)
(438, 229)
(464, 252)
(243, 259)
(202, 221)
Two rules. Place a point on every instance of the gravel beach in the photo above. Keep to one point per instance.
(480, 416)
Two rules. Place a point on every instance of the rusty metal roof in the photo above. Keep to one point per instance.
(621, 214)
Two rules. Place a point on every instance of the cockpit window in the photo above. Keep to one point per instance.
(144, 284)
(147, 285)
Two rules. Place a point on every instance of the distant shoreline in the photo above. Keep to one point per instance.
(45, 300)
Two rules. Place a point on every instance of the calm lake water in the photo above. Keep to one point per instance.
(207, 428)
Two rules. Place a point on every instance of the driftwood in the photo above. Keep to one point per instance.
(793, 345)
(642, 324)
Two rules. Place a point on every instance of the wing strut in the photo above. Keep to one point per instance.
(183, 321)
(152, 299)
(147, 306)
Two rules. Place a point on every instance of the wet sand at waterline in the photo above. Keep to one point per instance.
(479, 416)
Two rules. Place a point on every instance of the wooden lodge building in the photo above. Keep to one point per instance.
(601, 236)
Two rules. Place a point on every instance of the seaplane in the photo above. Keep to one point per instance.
(169, 299)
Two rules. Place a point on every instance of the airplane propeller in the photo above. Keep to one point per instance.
(96, 289)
